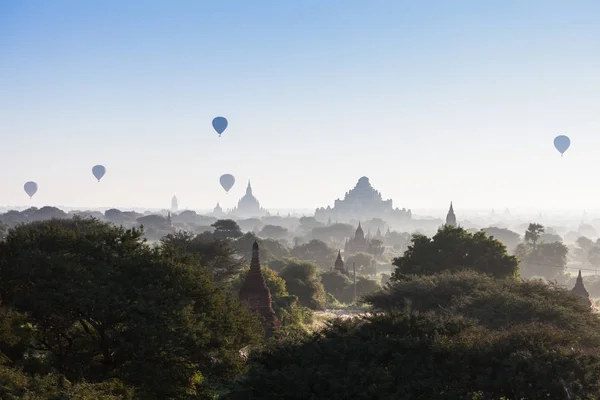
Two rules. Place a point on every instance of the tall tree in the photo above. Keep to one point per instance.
(453, 249)
(301, 280)
(533, 233)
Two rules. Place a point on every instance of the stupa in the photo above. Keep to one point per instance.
(248, 206)
(256, 294)
(580, 290)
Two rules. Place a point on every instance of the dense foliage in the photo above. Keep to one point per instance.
(454, 249)
(462, 335)
(91, 311)
(101, 304)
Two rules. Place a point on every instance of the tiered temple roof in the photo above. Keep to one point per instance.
(362, 202)
(256, 294)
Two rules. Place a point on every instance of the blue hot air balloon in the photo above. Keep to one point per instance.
(227, 182)
(562, 144)
(98, 171)
(220, 124)
(30, 188)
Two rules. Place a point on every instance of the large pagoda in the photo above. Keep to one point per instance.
(256, 294)
(362, 202)
(248, 206)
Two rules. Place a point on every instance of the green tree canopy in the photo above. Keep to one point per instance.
(218, 256)
(103, 304)
(509, 238)
(494, 303)
(273, 231)
(464, 336)
(226, 229)
(302, 280)
(334, 282)
(270, 249)
(317, 252)
(453, 249)
(533, 233)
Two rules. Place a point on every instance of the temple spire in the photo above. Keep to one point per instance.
(451, 217)
(339, 263)
(580, 290)
(256, 294)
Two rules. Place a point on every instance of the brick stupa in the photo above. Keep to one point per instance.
(580, 291)
(257, 295)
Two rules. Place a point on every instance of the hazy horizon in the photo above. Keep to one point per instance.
(433, 101)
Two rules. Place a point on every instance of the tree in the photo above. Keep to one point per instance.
(364, 286)
(335, 282)
(270, 249)
(218, 256)
(364, 262)
(103, 305)
(584, 247)
(335, 232)
(548, 260)
(453, 249)
(462, 336)
(16, 385)
(316, 251)
(509, 238)
(398, 241)
(533, 233)
(550, 238)
(493, 303)
(301, 280)
(376, 248)
(273, 231)
(3, 230)
(226, 229)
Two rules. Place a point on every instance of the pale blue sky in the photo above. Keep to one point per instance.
(433, 100)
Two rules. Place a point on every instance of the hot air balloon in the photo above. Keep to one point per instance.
(220, 124)
(98, 171)
(562, 144)
(30, 188)
(227, 182)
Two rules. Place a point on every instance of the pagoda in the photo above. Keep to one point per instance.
(248, 206)
(363, 202)
(451, 217)
(580, 290)
(256, 294)
(339, 264)
(358, 244)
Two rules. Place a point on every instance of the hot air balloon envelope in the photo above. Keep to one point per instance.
(562, 143)
(99, 171)
(30, 188)
(227, 181)
(220, 124)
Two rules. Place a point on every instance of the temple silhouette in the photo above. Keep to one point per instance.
(248, 206)
(362, 202)
(256, 294)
